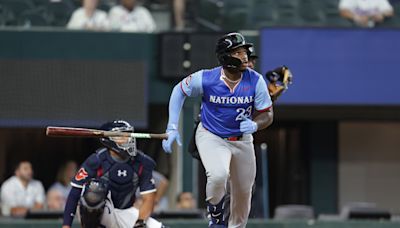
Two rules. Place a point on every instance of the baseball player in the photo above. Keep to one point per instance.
(105, 185)
(252, 59)
(230, 94)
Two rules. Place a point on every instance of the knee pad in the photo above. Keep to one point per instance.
(92, 202)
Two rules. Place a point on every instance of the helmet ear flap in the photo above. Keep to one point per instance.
(229, 61)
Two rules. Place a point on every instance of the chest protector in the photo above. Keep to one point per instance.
(122, 179)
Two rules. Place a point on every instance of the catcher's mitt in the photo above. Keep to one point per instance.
(278, 81)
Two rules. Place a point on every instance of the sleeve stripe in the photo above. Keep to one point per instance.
(148, 191)
(76, 185)
(265, 109)
(183, 91)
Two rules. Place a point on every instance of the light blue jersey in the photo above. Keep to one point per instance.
(222, 108)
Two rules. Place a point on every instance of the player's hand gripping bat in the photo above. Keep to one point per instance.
(94, 133)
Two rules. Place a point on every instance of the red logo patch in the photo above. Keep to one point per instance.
(82, 174)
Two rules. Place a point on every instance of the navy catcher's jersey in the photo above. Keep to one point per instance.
(122, 178)
(223, 108)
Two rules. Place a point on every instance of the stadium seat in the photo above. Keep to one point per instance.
(287, 4)
(363, 210)
(61, 11)
(392, 21)
(2, 17)
(40, 2)
(104, 5)
(329, 4)
(235, 19)
(18, 6)
(236, 4)
(293, 211)
(311, 13)
(263, 14)
(35, 17)
(333, 19)
(7, 17)
(289, 17)
(209, 13)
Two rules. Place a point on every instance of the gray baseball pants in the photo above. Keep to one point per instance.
(223, 159)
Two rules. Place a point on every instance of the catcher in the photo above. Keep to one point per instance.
(105, 185)
(278, 81)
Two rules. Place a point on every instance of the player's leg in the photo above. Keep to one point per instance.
(243, 173)
(126, 218)
(227, 202)
(215, 157)
(92, 203)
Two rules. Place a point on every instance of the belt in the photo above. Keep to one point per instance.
(234, 138)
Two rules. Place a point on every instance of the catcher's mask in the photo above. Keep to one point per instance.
(125, 148)
(225, 45)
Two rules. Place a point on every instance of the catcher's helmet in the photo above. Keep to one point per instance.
(251, 53)
(129, 147)
(226, 44)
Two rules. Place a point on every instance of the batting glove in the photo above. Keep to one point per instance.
(173, 134)
(247, 126)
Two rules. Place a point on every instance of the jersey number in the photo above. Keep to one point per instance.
(243, 113)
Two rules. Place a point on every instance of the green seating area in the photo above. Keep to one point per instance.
(35, 12)
(255, 14)
(214, 15)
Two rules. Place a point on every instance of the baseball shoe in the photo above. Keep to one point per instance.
(216, 214)
(217, 226)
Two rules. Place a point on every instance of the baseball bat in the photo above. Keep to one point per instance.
(94, 133)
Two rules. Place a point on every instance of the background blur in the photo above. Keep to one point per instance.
(335, 137)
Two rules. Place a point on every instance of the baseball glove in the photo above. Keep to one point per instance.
(192, 148)
(278, 81)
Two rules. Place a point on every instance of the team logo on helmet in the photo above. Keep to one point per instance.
(229, 43)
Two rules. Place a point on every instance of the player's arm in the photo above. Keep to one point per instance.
(264, 119)
(147, 189)
(263, 106)
(147, 206)
(189, 86)
(70, 206)
(85, 173)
